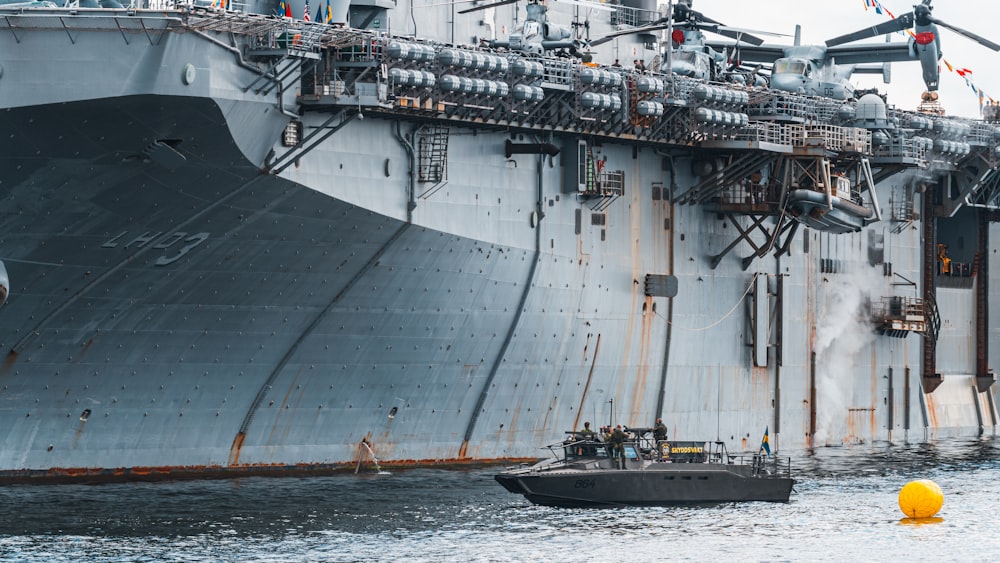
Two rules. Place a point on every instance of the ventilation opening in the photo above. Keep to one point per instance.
(85, 415)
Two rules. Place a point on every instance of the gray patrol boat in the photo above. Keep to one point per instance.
(582, 473)
(235, 242)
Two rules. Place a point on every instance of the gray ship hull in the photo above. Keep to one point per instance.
(183, 302)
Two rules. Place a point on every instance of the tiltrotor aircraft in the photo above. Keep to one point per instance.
(816, 70)
(825, 70)
(924, 44)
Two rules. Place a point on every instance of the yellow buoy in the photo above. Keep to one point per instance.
(921, 499)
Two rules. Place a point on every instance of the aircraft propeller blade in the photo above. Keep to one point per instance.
(968, 34)
(904, 21)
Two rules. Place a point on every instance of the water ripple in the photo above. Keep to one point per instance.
(844, 506)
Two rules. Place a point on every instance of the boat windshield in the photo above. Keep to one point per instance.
(584, 448)
(842, 188)
(594, 449)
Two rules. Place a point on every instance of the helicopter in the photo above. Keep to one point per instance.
(691, 56)
(924, 43)
(688, 53)
(536, 34)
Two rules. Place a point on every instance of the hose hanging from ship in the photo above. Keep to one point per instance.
(4, 283)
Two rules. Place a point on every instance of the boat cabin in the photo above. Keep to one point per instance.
(639, 444)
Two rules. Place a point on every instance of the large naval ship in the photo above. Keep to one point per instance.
(236, 242)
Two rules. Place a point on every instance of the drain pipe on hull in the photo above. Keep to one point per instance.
(670, 300)
(411, 155)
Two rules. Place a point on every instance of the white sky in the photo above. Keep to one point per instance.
(825, 19)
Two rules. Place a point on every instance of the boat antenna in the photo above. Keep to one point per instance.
(611, 422)
(718, 406)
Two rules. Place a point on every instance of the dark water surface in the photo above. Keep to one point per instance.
(844, 507)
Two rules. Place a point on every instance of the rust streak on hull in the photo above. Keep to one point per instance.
(234, 450)
(58, 475)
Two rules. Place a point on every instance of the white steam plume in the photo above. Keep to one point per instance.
(842, 331)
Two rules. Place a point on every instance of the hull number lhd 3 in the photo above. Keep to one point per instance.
(163, 242)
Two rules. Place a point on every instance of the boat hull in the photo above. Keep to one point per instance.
(832, 214)
(656, 484)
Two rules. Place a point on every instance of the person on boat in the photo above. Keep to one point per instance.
(618, 446)
(587, 434)
(659, 430)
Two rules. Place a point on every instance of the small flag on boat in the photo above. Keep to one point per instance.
(765, 443)
(305, 12)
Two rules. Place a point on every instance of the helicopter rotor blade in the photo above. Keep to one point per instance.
(968, 34)
(740, 35)
(683, 13)
(617, 34)
(485, 6)
(586, 4)
(904, 21)
(756, 31)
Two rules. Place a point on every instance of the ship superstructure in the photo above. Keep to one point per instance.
(239, 243)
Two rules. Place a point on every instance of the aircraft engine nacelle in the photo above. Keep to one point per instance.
(926, 46)
(553, 32)
(4, 284)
